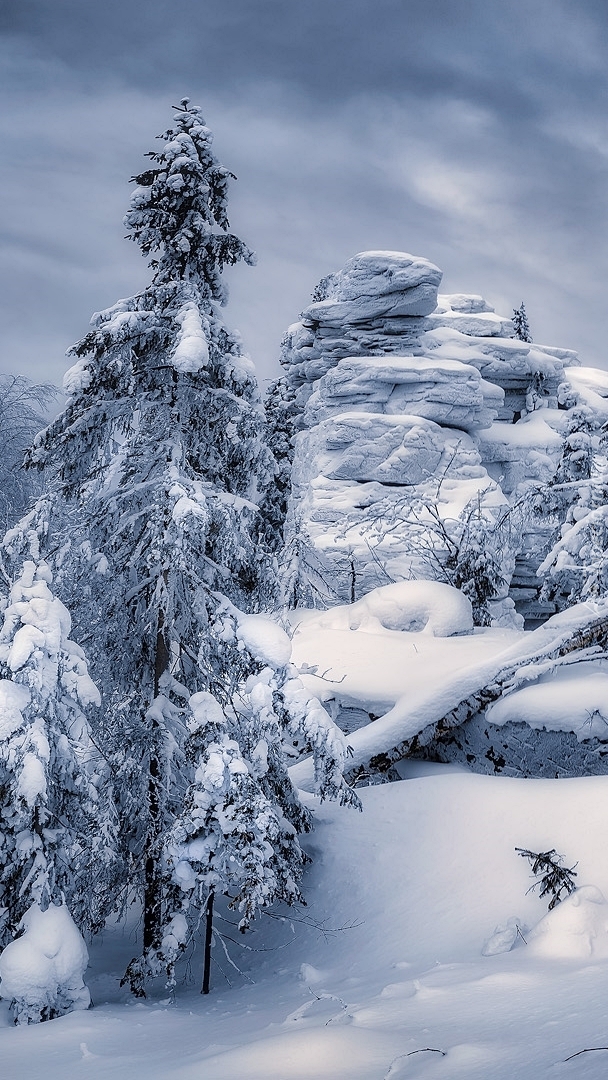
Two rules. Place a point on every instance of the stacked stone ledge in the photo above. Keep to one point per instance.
(406, 398)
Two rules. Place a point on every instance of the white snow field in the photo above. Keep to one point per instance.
(422, 952)
(408, 893)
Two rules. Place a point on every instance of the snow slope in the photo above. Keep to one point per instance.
(419, 881)
(392, 969)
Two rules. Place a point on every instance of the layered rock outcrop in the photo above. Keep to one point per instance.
(419, 412)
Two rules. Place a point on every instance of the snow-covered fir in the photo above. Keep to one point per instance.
(229, 627)
(157, 465)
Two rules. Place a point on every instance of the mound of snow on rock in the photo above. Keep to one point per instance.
(43, 970)
(414, 606)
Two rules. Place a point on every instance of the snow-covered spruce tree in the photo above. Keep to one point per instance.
(48, 841)
(280, 424)
(520, 324)
(576, 567)
(578, 453)
(238, 832)
(159, 450)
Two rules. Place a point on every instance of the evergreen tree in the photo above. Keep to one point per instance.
(152, 526)
(520, 324)
(157, 455)
(576, 462)
(576, 566)
(238, 832)
(281, 423)
(48, 842)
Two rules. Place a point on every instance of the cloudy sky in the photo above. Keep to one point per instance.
(473, 132)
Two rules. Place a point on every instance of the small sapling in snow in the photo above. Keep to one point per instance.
(553, 878)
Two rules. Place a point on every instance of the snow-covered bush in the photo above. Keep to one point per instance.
(553, 878)
(474, 552)
(576, 567)
(42, 971)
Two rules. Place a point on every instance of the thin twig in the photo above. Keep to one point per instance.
(402, 1057)
(590, 1050)
(230, 960)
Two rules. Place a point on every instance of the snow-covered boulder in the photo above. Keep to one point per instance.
(469, 315)
(369, 361)
(518, 367)
(402, 450)
(357, 534)
(371, 446)
(374, 284)
(42, 972)
(376, 304)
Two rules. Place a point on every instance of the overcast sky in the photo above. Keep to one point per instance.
(472, 132)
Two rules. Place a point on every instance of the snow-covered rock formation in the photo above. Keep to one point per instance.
(424, 423)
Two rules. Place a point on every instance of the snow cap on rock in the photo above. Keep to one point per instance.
(431, 607)
(374, 284)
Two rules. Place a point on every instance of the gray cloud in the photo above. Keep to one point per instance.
(474, 134)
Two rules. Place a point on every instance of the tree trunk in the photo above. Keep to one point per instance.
(208, 936)
(153, 878)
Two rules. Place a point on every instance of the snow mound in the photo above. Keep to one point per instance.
(575, 929)
(42, 972)
(415, 606)
(505, 937)
(573, 699)
(265, 640)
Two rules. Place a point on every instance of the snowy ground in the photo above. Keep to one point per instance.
(419, 882)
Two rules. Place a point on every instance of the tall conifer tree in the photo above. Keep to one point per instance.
(159, 463)
(157, 454)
